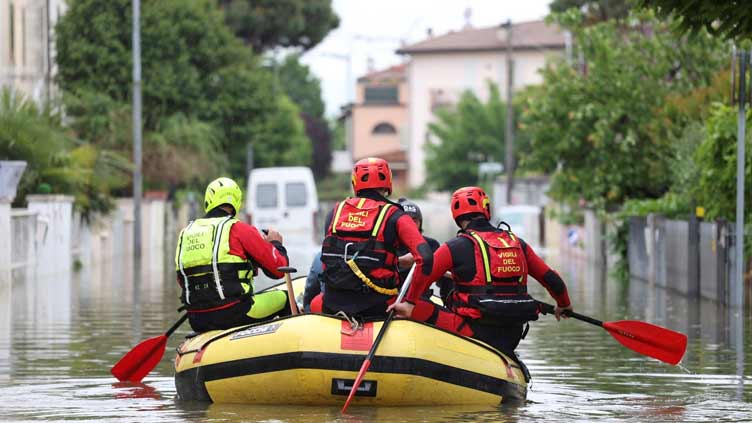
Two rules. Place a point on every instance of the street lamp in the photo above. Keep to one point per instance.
(504, 33)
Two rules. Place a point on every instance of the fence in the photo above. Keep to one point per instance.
(686, 256)
(52, 234)
(27, 232)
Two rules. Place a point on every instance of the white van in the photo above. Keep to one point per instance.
(283, 198)
(524, 220)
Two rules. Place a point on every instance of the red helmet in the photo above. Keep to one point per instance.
(371, 173)
(468, 200)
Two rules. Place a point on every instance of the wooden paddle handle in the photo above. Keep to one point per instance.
(290, 291)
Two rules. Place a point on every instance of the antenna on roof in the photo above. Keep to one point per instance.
(468, 17)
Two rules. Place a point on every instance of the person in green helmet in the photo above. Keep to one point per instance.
(216, 259)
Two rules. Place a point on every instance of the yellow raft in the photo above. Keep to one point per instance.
(312, 359)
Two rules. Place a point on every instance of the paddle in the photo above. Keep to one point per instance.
(290, 292)
(645, 338)
(140, 360)
(382, 331)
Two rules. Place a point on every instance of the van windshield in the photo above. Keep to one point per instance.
(295, 194)
(266, 196)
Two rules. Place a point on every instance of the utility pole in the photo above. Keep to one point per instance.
(737, 292)
(137, 180)
(509, 128)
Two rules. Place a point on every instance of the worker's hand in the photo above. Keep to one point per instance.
(403, 309)
(272, 235)
(559, 311)
(406, 261)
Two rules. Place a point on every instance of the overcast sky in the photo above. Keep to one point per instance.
(374, 29)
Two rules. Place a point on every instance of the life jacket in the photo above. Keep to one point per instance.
(210, 276)
(356, 234)
(497, 293)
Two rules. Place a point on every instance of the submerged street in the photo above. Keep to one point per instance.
(61, 334)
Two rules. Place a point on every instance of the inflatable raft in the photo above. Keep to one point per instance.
(312, 359)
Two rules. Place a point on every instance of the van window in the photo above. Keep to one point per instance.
(266, 196)
(295, 194)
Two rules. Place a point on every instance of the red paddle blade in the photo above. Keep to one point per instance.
(651, 340)
(139, 361)
(356, 384)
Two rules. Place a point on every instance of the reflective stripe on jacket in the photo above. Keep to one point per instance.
(211, 277)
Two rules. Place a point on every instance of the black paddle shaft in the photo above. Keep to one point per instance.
(549, 309)
(380, 335)
(176, 325)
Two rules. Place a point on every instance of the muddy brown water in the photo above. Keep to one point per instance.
(60, 334)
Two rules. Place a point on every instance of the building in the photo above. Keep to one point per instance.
(376, 124)
(27, 50)
(442, 67)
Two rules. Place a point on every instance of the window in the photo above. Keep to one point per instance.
(266, 196)
(382, 95)
(295, 194)
(384, 128)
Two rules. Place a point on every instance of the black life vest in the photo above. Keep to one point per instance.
(357, 232)
(497, 293)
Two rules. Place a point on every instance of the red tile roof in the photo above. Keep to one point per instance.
(525, 35)
(396, 71)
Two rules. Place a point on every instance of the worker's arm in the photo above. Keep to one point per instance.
(547, 277)
(246, 241)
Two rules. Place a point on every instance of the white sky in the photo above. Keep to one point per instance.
(374, 29)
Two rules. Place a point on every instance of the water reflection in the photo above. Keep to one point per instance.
(61, 335)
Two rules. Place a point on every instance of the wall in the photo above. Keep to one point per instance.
(454, 73)
(50, 238)
(664, 252)
(365, 118)
(31, 68)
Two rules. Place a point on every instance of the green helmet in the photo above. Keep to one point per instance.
(223, 191)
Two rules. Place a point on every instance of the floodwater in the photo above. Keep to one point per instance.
(60, 334)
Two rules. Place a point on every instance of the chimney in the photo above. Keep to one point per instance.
(370, 64)
(429, 32)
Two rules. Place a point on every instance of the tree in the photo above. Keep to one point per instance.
(728, 19)
(285, 23)
(184, 45)
(304, 89)
(56, 161)
(197, 77)
(244, 105)
(469, 133)
(716, 159)
(603, 131)
(596, 10)
(301, 85)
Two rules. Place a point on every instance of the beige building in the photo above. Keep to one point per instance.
(377, 123)
(27, 50)
(442, 67)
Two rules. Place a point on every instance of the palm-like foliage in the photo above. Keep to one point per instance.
(56, 161)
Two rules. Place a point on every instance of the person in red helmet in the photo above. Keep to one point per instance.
(359, 252)
(490, 267)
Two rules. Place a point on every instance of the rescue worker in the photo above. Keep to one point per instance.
(314, 286)
(490, 267)
(359, 251)
(406, 259)
(216, 258)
